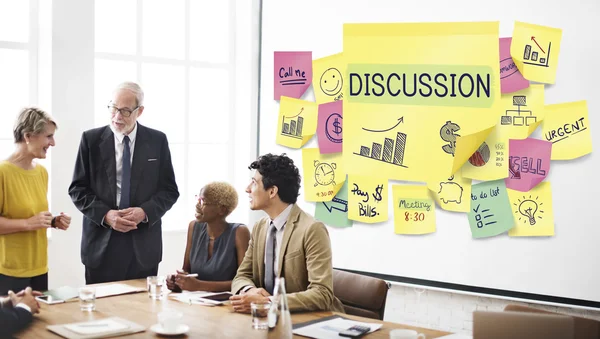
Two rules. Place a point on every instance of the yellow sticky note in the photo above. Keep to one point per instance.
(522, 112)
(367, 198)
(414, 210)
(453, 193)
(532, 211)
(328, 80)
(535, 51)
(324, 174)
(490, 160)
(412, 118)
(297, 122)
(567, 127)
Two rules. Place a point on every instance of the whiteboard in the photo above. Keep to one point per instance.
(563, 267)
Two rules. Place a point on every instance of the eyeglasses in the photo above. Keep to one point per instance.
(126, 112)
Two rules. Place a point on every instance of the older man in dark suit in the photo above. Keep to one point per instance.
(123, 183)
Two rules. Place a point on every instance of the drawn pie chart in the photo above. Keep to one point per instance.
(481, 156)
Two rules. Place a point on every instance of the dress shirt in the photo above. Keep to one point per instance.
(279, 223)
(119, 154)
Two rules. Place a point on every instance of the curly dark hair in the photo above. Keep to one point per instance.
(280, 171)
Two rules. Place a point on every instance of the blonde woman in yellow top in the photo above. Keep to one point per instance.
(24, 215)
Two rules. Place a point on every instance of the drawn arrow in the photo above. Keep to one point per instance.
(400, 120)
(540, 47)
(296, 114)
(330, 209)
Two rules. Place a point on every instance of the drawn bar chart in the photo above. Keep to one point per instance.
(293, 128)
(534, 57)
(393, 152)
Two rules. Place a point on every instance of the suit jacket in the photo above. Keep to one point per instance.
(94, 191)
(304, 262)
(13, 320)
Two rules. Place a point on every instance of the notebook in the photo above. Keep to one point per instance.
(103, 328)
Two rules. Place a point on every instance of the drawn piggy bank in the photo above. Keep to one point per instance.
(450, 192)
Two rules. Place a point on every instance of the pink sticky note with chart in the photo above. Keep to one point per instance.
(292, 72)
(528, 164)
(511, 80)
(329, 127)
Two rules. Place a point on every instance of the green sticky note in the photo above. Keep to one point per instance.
(335, 212)
(490, 212)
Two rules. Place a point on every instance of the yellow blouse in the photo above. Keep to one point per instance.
(23, 194)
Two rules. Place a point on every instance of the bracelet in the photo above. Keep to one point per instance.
(53, 222)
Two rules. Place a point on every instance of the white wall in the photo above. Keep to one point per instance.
(73, 108)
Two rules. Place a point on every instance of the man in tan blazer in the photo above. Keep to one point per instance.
(288, 243)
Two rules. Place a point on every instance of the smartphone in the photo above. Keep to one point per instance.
(222, 296)
(47, 299)
(355, 331)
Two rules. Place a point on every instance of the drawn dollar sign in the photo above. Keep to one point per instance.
(447, 134)
(337, 129)
(377, 194)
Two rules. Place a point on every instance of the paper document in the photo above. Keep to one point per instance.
(457, 336)
(330, 329)
(99, 326)
(116, 289)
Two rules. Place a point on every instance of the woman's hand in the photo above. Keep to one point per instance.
(40, 220)
(187, 283)
(62, 221)
(171, 283)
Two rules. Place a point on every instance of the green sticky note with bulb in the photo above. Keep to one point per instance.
(490, 213)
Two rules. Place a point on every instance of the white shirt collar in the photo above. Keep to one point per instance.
(281, 219)
(120, 136)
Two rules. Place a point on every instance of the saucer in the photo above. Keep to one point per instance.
(181, 329)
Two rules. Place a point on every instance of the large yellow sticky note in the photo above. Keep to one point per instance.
(415, 118)
(532, 211)
(453, 193)
(414, 211)
(324, 174)
(297, 122)
(535, 49)
(367, 198)
(328, 79)
(490, 160)
(568, 128)
(522, 112)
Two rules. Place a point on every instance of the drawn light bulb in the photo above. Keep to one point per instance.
(528, 209)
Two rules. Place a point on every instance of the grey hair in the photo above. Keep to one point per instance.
(135, 88)
(31, 120)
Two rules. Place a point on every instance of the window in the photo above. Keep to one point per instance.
(25, 39)
(181, 53)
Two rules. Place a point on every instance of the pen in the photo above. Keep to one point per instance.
(193, 275)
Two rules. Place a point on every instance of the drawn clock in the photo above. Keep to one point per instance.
(324, 173)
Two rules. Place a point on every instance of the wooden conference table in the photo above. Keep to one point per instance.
(204, 322)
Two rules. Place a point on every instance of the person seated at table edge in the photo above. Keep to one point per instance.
(215, 248)
(16, 311)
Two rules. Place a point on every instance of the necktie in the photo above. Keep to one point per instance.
(125, 175)
(270, 262)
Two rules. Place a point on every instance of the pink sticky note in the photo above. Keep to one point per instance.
(292, 74)
(511, 80)
(528, 164)
(329, 127)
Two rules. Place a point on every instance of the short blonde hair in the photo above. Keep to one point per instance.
(221, 194)
(31, 120)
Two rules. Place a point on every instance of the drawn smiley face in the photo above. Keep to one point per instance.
(331, 82)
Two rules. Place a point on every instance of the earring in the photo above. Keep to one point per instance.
(27, 142)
